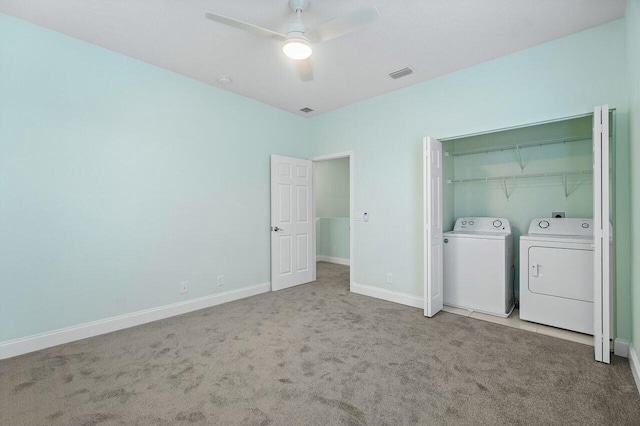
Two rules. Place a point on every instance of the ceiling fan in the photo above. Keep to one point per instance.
(298, 40)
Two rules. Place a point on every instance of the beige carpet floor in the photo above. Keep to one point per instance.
(317, 354)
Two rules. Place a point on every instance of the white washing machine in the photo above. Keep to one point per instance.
(478, 265)
(556, 274)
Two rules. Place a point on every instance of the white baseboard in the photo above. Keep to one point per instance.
(635, 366)
(36, 342)
(388, 295)
(338, 260)
(621, 347)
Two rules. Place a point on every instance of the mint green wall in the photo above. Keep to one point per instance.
(332, 237)
(633, 56)
(119, 180)
(562, 78)
(529, 198)
(332, 208)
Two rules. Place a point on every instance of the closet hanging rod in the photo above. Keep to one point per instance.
(526, 144)
(524, 176)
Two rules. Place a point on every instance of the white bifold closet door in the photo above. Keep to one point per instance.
(432, 213)
(292, 238)
(602, 234)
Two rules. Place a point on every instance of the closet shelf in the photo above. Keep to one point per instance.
(523, 176)
(519, 146)
(504, 179)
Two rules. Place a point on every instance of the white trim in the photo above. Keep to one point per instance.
(36, 342)
(635, 366)
(352, 238)
(519, 126)
(388, 295)
(621, 347)
(314, 231)
(330, 259)
(344, 154)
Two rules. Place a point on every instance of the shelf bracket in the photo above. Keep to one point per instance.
(519, 158)
(506, 189)
(567, 191)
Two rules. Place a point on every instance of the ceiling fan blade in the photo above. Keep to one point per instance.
(344, 25)
(305, 69)
(262, 32)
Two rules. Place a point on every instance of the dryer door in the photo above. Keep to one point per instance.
(561, 272)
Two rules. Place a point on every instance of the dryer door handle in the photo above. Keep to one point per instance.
(534, 270)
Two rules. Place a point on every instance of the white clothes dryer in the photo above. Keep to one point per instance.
(556, 273)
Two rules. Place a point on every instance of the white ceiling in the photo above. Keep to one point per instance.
(434, 37)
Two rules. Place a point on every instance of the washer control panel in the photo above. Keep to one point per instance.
(483, 224)
(562, 226)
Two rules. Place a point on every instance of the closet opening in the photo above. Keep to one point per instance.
(512, 220)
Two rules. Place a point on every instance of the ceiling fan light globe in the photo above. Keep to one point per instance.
(297, 48)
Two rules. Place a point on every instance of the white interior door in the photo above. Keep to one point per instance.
(432, 208)
(292, 260)
(602, 235)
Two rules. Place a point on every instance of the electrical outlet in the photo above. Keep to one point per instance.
(557, 214)
(184, 287)
(333, 250)
(389, 278)
(220, 280)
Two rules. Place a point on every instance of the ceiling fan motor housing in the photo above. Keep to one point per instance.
(297, 29)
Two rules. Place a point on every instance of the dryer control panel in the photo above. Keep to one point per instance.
(561, 226)
(483, 224)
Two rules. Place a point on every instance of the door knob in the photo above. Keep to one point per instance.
(276, 229)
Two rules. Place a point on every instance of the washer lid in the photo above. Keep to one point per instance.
(477, 235)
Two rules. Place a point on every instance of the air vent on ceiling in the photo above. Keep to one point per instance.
(306, 110)
(400, 73)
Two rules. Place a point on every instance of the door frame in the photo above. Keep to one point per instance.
(327, 157)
